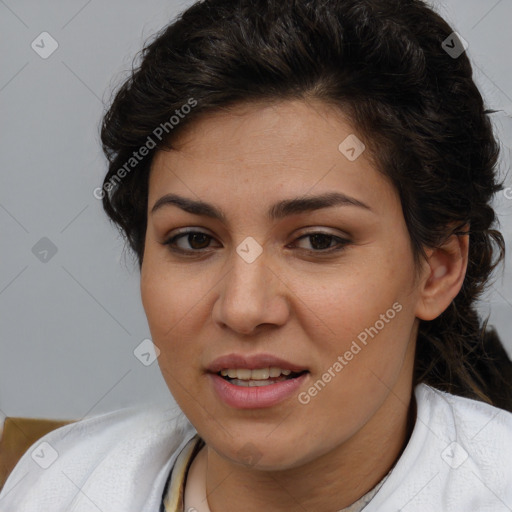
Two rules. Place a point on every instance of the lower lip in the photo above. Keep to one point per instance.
(256, 397)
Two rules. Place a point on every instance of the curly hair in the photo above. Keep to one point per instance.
(385, 65)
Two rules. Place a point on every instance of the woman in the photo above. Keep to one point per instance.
(306, 186)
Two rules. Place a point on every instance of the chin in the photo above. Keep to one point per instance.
(262, 455)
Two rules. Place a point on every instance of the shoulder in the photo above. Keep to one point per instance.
(121, 457)
(474, 446)
(468, 420)
(458, 458)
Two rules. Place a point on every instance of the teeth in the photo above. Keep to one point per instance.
(274, 371)
(256, 374)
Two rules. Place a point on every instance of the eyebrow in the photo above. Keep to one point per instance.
(277, 211)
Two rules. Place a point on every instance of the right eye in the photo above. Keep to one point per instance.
(193, 238)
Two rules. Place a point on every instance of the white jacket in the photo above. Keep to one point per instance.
(459, 459)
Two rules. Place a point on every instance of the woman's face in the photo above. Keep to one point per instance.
(326, 289)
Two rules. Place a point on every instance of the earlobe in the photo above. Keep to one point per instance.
(444, 272)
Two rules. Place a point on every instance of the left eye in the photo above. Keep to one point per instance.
(197, 240)
(319, 239)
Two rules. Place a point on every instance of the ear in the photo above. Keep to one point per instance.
(444, 272)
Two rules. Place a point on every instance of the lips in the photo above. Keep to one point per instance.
(255, 394)
(253, 362)
(259, 397)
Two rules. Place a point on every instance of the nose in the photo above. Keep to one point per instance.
(251, 295)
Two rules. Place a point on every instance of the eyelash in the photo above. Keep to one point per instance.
(342, 243)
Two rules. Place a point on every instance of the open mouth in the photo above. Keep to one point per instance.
(258, 378)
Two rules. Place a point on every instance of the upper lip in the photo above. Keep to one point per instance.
(251, 362)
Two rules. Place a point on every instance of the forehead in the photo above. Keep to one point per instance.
(287, 128)
(257, 151)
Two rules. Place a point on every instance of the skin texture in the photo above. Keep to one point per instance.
(292, 302)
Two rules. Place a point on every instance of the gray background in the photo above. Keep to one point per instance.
(70, 325)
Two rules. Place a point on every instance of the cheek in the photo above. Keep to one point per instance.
(365, 314)
(350, 298)
(168, 296)
(171, 306)
(178, 302)
(362, 344)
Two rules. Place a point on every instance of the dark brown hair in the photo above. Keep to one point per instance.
(387, 66)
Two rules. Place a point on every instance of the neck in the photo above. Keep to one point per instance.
(330, 482)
